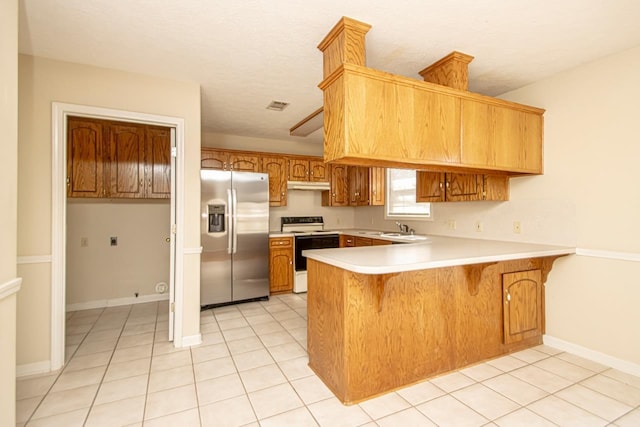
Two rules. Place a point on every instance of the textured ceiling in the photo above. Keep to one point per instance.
(246, 53)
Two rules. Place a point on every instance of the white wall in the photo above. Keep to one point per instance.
(8, 202)
(588, 197)
(99, 272)
(294, 145)
(43, 81)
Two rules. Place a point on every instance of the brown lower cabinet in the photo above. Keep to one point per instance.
(280, 265)
(348, 241)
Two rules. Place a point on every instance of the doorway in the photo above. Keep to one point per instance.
(61, 113)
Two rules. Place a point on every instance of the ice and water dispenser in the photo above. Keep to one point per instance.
(216, 218)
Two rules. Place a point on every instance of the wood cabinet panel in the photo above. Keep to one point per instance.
(501, 137)
(347, 241)
(281, 264)
(126, 160)
(522, 292)
(276, 167)
(298, 170)
(158, 163)
(118, 160)
(338, 195)
(430, 186)
(213, 159)
(377, 177)
(358, 186)
(363, 241)
(318, 171)
(85, 158)
(244, 163)
(463, 187)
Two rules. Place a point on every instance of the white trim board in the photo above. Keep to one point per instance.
(9, 288)
(59, 113)
(596, 356)
(34, 259)
(191, 340)
(36, 368)
(102, 303)
(621, 256)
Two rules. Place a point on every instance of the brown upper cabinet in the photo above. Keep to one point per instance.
(117, 160)
(276, 167)
(435, 124)
(338, 193)
(229, 160)
(458, 187)
(301, 169)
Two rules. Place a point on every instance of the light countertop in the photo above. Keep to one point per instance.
(438, 252)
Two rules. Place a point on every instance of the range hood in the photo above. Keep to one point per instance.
(307, 185)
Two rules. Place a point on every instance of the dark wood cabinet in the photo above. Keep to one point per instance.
(85, 158)
(338, 194)
(158, 163)
(126, 161)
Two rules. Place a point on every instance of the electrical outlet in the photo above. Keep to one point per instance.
(114, 241)
(84, 242)
(451, 224)
(517, 227)
(479, 226)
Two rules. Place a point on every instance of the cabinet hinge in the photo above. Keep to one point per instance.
(172, 308)
(174, 152)
(173, 229)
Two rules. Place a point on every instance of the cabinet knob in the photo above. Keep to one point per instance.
(508, 296)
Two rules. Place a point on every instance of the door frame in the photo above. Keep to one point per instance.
(60, 111)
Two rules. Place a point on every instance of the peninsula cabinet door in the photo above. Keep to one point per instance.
(429, 186)
(522, 298)
(85, 164)
(461, 187)
(126, 152)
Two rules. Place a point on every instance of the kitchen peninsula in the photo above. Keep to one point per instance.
(383, 317)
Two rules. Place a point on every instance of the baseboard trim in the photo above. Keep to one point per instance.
(596, 356)
(34, 259)
(116, 302)
(191, 340)
(43, 367)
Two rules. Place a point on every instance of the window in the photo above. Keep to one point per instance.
(401, 196)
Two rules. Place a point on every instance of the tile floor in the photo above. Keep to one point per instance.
(251, 370)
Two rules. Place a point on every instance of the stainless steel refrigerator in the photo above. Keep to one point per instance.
(234, 227)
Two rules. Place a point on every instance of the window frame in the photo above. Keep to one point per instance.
(414, 216)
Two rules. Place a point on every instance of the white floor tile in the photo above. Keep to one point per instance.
(420, 393)
(409, 417)
(68, 419)
(214, 368)
(79, 378)
(452, 382)
(131, 368)
(384, 405)
(594, 402)
(277, 338)
(25, 407)
(163, 362)
(564, 413)
(233, 412)
(262, 377)
(331, 413)
(507, 363)
(541, 378)
(296, 368)
(515, 389)
(170, 401)
(171, 378)
(523, 417)
(274, 400)
(287, 352)
(615, 389)
(311, 389)
(485, 401)
(209, 352)
(530, 355)
(186, 418)
(623, 377)
(297, 417)
(119, 413)
(244, 345)
(238, 333)
(481, 372)
(632, 419)
(66, 401)
(220, 388)
(122, 389)
(564, 369)
(252, 359)
(447, 411)
(34, 386)
(585, 363)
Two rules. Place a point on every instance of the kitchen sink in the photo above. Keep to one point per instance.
(409, 237)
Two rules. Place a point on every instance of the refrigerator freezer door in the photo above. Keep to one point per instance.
(251, 240)
(215, 266)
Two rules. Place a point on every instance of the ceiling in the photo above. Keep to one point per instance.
(246, 53)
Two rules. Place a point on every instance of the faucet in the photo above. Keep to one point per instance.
(404, 228)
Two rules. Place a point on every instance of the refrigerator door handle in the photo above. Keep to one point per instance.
(234, 218)
(230, 229)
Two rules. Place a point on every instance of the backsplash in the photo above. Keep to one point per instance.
(309, 203)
